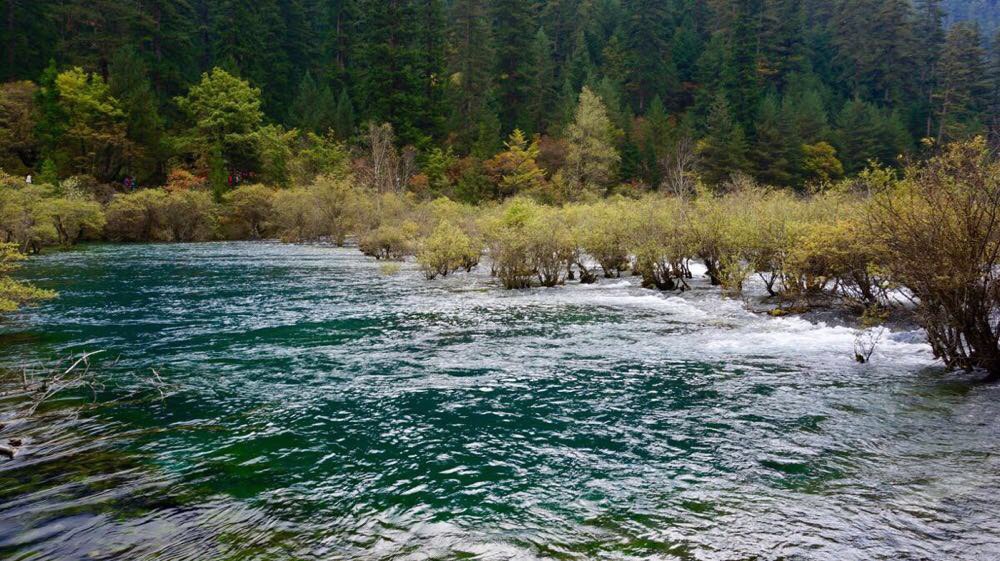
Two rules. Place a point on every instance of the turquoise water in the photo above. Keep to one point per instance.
(315, 409)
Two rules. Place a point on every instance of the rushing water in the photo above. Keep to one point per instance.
(315, 409)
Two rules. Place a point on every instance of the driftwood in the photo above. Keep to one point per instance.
(37, 390)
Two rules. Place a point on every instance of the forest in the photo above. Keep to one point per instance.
(784, 91)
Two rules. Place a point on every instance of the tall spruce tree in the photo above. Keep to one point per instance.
(723, 151)
(513, 26)
(471, 66)
(647, 35)
(962, 83)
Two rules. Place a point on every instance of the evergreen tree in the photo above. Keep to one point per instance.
(314, 108)
(513, 22)
(809, 121)
(344, 119)
(225, 114)
(471, 66)
(776, 148)
(723, 151)
(741, 79)
(647, 28)
(929, 32)
(389, 86)
(52, 119)
(864, 132)
(962, 84)
(128, 83)
(173, 56)
(993, 103)
(542, 91)
(782, 40)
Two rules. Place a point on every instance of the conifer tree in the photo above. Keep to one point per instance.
(591, 159)
(313, 108)
(129, 84)
(471, 84)
(647, 36)
(344, 118)
(962, 84)
(542, 92)
(513, 24)
(723, 151)
(776, 148)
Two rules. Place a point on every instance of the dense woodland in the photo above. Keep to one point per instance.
(785, 91)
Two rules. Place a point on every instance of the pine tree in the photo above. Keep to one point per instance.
(723, 151)
(740, 76)
(962, 83)
(91, 31)
(470, 66)
(864, 132)
(128, 83)
(993, 122)
(775, 148)
(929, 32)
(513, 23)
(314, 108)
(390, 87)
(657, 136)
(52, 120)
(542, 91)
(809, 121)
(173, 56)
(647, 27)
(875, 48)
(344, 119)
(782, 40)
(430, 63)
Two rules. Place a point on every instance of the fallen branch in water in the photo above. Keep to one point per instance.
(38, 390)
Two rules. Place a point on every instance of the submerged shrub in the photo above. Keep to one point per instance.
(550, 246)
(76, 217)
(660, 242)
(940, 227)
(505, 232)
(446, 250)
(26, 219)
(14, 294)
(604, 235)
(390, 241)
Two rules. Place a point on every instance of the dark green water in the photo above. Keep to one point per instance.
(318, 410)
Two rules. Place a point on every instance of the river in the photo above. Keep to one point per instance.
(314, 408)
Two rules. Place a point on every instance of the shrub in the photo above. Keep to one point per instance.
(75, 218)
(189, 216)
(247, 210)
(447, 250)
(138, 217)
(940, 228)
(390, 241)
(605, 236)
(660, 242)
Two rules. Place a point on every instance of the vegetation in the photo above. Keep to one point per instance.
(607, 92)
(14, 294)
(574, 141)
